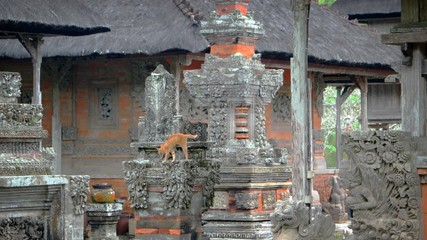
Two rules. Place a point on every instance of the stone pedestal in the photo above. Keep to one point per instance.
(169, 200)
(33, 203)
(103, 218)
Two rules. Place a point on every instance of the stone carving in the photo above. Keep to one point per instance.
(212, 179)
(268, 200)
(260, 134)
(336, 205)
(20, 147)
(246, 201)
(160, 89)
(135, 177)
(22, 228)
(69, 133)
(191, 108)
(198, 128)
(290, 220)
(383, 184)
(218, 115)
(281, 108)
(79, 190)
(178, 183)
(105, 102)
(220, 200)
(14, 165)
(20, 115)
(10, 84)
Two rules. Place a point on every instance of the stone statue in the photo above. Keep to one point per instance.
(336, 205)
(290, 220)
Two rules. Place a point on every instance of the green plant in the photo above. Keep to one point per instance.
(350, 114)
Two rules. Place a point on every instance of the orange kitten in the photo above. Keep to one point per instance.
(170, 144)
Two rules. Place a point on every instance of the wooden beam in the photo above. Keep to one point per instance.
(332, 69)
(413, 93)
(33, 46)
(399, 38)
(302, 186)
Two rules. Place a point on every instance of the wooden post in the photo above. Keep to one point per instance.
(33, 46)
(301, 106)
(362, 84)
(58, 72)
(342, 95)
(413, 94)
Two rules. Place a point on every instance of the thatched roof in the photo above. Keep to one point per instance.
(48, 17)
(150, 27)
(368, 8)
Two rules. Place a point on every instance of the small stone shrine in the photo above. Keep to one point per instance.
(33, 203)
(236, 87)
(168, 197)
(384, 185)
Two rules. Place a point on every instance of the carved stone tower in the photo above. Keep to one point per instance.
(236, 87)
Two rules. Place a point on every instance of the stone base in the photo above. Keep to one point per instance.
(237, 230)
(103, 219)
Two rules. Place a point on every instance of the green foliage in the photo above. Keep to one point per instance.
(326, 2)
(350, 110)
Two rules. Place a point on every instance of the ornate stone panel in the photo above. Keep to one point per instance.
(22, 228)
(212, 178)
(281, 107)
(103, 104)
(246, 201)
(79, 191)
(384, 185)
(269, 200)
(69, 133)
(10, 84)
(178, 183)
(20, 115)
(135, 173)
(220, 200)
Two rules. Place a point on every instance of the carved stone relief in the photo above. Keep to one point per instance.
(268, 200)
(79, 191)
(281, 108)
(20, 115)
(198, 128)
(260, 134)
(212, 178)
(69, 133)
(178, 183)
(10, 84)
(191, 108)
(22, 228)
(218, 117)
(383, 184)
(160, 89)
(135, 173)
(103, 110)
(220, 200)
(246, 201)
(336, 205)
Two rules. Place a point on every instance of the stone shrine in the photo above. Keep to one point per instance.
(33, 203)
(168, 197)
(236, 87)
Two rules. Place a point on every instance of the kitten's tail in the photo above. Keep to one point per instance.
(192, 136)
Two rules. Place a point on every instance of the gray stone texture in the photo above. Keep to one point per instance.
(384, 185)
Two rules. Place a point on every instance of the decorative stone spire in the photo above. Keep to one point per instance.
(10, 83)
(232, 29)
